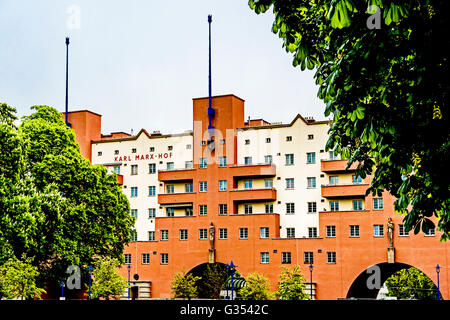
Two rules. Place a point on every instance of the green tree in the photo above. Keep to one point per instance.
(18, 279)
(212, 281)
(107, 282)
(411, 283)
(292, 285)
(386, 89)
(257, 287)
(183, 285)
(56, 207)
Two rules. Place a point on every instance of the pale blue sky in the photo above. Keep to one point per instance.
(139, 63)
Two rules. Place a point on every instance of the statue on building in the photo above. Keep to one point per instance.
(390, 231)
(211, 235)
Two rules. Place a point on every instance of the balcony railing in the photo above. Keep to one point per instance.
(337, 166)
(344, 191)
(175, 198)
(265, 194)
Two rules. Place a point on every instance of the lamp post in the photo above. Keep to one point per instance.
(230, 269)
(62, 291)
(90, 281)
(311, 283)
(129, 269)
(438, 269)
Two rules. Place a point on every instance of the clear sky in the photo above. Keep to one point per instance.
(139, 63)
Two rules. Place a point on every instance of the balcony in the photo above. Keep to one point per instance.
(176, 198)
(176, 175)
(253, 170)
(253, 195)
(344, 191)
(336, 166)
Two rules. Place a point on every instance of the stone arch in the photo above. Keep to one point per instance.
(366, 287)
(200, 269)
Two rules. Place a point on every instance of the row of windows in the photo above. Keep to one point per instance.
(288, 139)
(358, 204)
(378, 231)
(203, 234)
(151, 149)
(286, 257)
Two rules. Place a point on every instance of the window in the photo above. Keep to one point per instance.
(331, 257)
(202, 210)
(189, 212)
(248, 184)
(378, 230)
(151, 236)
(247, 141)
(151, 191)
(269, 208)
(356, 179)
(289, 159)
(170, 166)
(264, 257)
(164, 258)
(248, 209)
(152, 149)
(222, 162)
(333, 155)
(310, 136)
(203, 163)
(223, 209)
(430, 233)
(334, 180)
(312, 232)
(152, 168)
(134, 235)
(145, 258)
(188, 188)
(169, 148)
(357, 205)
(308, 257)
(268, 159)
(134, 213)
(116, 152)
(164, 235)
(223, 233)
(289, 183)
(117, 170)
(331, 231)
(183, 234)
(170, 212)
(134, 191)
(289, 138)
(290, 232)
(377, 203)
(311, 182)
(243, 233)
(310, 157)
(188, 165)
(203, 186)
(290, 208)
(334, 205)
(248, 160)
(99, 153)
(312, 207)
(223, 185)
(202, 234)
(189, 146)
(264, 232)
(402, 231)
(133, 150)
(127, 258)
(170, 188)
(268, 183)
(151, 213)
(286, 257)
(354, 231)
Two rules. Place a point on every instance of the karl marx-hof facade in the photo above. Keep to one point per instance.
(263, 195)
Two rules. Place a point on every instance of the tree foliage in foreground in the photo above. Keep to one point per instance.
(257, 287)
(55, 206)
(411, 283)
(184, 286)
(106, 281)
(292, 285)
(386, 89)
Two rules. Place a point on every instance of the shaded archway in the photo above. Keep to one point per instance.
(368, 283)
(213, 278)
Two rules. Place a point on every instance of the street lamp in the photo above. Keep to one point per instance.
(311, 283)
(230, 269)
(90, 280)
(438, 269)
(129, 268)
